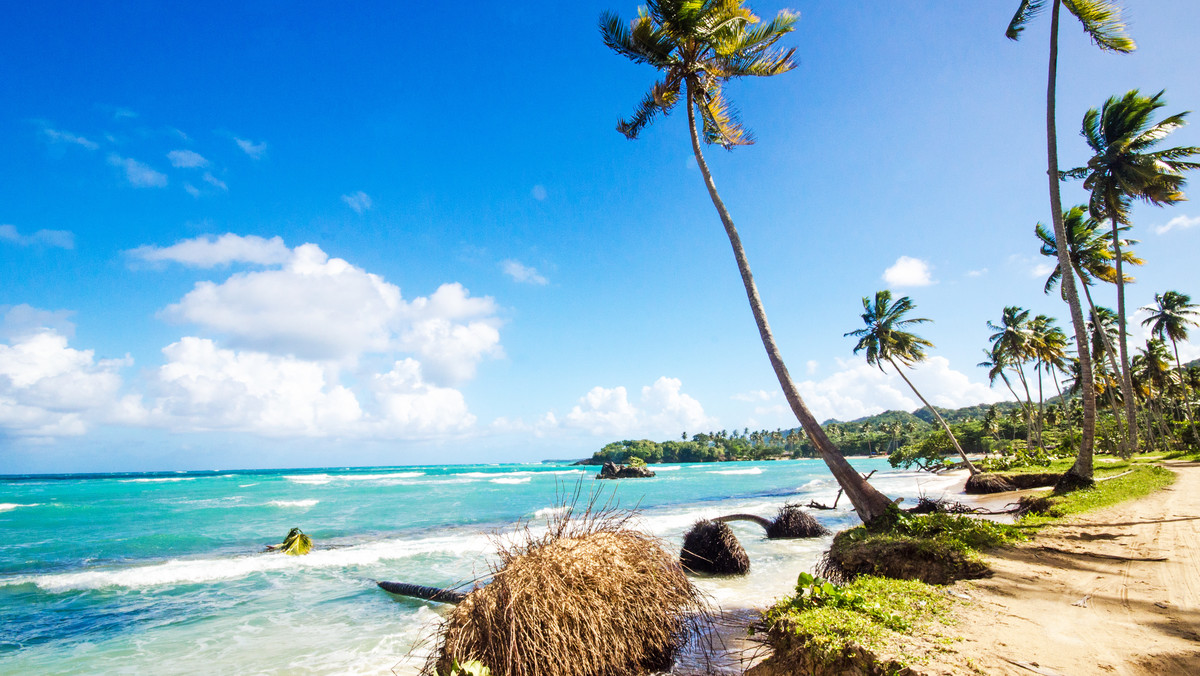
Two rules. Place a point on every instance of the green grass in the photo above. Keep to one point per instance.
(1144, 480)
(881, 612)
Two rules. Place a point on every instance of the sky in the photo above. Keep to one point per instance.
(269, 234)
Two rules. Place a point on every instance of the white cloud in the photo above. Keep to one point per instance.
(539, 193)
(254, 150)
(186, 159)
(522, 273)
(1180, 222)
(359, 201)
(214, 181)
(317, 307)
(138, 174)
(908, 271)
(811, 366)
(860, 389)
(191, 190)
(203, 387)
(208, 251)
(664, 411)
(63, 239)
(48, 389)
(754, 396)
(1041, 270)
(977, 273)
(58, 136)
(410, 406)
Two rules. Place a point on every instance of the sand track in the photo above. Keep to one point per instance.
(1115, 591)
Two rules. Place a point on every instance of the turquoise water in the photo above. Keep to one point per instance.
(165, 574)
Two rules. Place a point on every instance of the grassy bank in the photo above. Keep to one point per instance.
(879, 625)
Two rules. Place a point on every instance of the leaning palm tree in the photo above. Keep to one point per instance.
(1169, 318)
(698, 46)
(1124, 168)
(1101, 20)
(885, 340)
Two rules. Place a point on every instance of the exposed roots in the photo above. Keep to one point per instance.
(988, 483)
(792, 522)
(711, 547)
(589, 596)
(1070, 481)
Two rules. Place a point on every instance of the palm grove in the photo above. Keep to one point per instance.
(697, 46)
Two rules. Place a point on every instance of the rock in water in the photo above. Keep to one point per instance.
(613, 471)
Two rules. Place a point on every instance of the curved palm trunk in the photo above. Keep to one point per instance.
(868, 502)
(1112, 362)
(974, 470)
(420, 592)
(1126, 376)
(1083, 467)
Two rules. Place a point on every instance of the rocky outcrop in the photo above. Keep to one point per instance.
(614, 471)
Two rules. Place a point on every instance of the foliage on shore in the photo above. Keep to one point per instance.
(1141, 480)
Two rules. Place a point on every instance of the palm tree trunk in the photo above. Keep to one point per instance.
(1126, 376)
(1041, 407)
(1028, 408)
(953, 440)
(1083, 468)
(1112, 362)
(868, 502)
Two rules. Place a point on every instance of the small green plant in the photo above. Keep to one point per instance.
(635, 461)
(469, 668)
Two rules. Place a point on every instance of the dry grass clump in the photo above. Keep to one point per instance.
(792, 522)
(711, 547)
(591, 596)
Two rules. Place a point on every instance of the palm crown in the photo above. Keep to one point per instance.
(698, 45)
(1122, 135)
(1101, 21)
(1172, 313)
(884, 337)
(1090, 249)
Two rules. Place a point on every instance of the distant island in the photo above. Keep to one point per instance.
(976, 428)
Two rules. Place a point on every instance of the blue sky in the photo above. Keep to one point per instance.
(266, 234)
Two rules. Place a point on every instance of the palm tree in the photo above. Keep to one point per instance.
(1169, 318)
(1124, 167)
(1101, 20)
(1011, 349)
(885, 340)
(698, 46)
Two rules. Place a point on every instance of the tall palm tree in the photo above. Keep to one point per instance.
(1125, 167)
(1101, 20)
(698, 46)
(1169, 318)
(885, 340)
(1011, 349)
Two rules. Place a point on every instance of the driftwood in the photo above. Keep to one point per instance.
(426, 593)
(765, 523)
(813, 504)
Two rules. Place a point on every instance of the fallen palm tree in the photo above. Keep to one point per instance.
(790, 522)
(427, 593)
(589, 596)
(711, 547)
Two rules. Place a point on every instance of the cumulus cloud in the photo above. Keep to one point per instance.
(186, 159)
(539, 193)
(753, 396)
(214, 181)
(1041, 270)
(138, 174)
(663, 410)
(209, 252)
(908, 271)
(316, 307)
(977, 273)
(21, 321)
(254, 150)
(62, 239)
(48, 389)
(58, 136)
(522, 273)
(359, 201)
(1179, 222)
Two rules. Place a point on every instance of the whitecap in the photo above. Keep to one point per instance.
(293, 503)
(309, 479)
(158, 480)
(671, 468)
(752, 470)
(6, 506)
(513, 480)
(547, 512)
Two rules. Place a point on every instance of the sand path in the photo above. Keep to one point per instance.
(1114, 591)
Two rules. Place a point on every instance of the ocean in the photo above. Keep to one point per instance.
(165, 573)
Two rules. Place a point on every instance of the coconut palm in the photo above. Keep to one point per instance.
(1169, 318)
(1011, 348)
(1124, 168)
(698, 46)
(885, 340)
(1101, 20)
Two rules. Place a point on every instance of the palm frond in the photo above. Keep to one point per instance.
(661, 98)
(1101, 20)
(1025, 13)
(720, 120)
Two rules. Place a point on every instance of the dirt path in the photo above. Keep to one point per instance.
(1061, 605)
